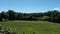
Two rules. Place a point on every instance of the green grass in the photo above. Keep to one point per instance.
(39, 27)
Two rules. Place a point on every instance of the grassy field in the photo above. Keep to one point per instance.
(39, 27)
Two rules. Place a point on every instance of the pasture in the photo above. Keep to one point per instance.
(39, 27)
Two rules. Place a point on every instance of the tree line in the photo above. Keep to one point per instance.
(53, 16)
(12, 15)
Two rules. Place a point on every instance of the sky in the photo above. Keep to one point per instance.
(29, 6)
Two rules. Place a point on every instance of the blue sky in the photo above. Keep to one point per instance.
(29, 6)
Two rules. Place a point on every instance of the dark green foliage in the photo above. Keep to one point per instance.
(1, 19)
(11, 15)
(53, 16)
(5, 31)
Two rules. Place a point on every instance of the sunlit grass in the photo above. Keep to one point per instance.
(39, 27)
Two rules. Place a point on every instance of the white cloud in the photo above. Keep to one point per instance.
(58, 8)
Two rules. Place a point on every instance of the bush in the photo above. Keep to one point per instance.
(3, 30)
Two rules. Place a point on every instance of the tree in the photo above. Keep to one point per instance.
(11, 15)
(54, 16)
(1, 17)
